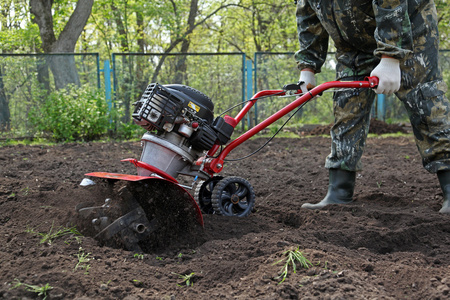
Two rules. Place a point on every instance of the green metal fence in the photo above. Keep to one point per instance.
(273, 70)
(217, 75)
(27, 79)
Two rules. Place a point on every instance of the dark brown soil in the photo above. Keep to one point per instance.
(391, 243)
(376, 127)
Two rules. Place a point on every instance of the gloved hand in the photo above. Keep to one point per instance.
(389, 75)
(308, 79)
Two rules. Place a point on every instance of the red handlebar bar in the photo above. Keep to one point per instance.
(215, 165)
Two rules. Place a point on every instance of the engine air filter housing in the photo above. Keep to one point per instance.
(163, 104)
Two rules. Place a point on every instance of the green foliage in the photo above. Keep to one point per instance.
(291, 259)
(249, 26)
(128, 130)
(254, 26)
(53, 234)
(17, 32)
(21, 39)
(155, 27)
(83, 259)
(74, 113)
(39, 290)
(137, 283)
(443, 9)
(187, 278)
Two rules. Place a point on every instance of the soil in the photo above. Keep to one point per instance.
(390, 243)
(376, 127)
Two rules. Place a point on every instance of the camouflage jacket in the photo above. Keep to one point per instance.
(362, 30)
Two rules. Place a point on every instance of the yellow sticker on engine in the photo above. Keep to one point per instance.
(194, 106)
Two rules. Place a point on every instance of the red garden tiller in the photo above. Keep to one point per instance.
(183, 138)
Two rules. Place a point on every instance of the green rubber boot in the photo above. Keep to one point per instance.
(340, 189)
(444, 181)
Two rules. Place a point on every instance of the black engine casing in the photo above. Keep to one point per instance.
(163, 104)
(169, 107)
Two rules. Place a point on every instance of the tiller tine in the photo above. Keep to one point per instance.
(140, 214)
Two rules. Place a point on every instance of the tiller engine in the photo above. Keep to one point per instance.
(147, 210)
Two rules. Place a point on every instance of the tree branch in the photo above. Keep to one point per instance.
(183, 37)
(42, 11)
(71, 32)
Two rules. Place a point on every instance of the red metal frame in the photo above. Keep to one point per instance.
(215, 165)
(138, 164)
(117, 176)
(141, 164)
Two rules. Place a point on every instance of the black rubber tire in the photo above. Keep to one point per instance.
(233, 196)
(203, 193)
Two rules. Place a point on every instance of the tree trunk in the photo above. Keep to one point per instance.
(140, 79)
(127, 65)
(62, 66)
(5, 118)
(181, 67)
(43, 75)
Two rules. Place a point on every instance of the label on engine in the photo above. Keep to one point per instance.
(194, 106)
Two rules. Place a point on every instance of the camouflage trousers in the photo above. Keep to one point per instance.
(423, 95)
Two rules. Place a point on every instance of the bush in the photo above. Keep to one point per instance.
(73, 113)
(126, 131)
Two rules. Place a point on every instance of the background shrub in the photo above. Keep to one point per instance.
(73, 113)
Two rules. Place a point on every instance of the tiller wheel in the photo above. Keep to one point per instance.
(233, 196)
(203, 194)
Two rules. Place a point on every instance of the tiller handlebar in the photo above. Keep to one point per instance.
(214, 165)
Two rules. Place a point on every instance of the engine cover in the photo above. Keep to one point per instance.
(162, 105)
(181, 126)
(165, 154)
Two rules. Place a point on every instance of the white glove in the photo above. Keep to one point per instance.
(308, 79)
(389, 75)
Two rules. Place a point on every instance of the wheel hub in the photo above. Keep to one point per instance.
(235, 199)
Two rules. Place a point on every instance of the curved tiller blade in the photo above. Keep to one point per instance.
(143, 214)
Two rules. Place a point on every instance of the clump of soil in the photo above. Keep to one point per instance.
(391, 243)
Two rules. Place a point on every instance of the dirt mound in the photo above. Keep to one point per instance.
(376, 127)
(389, 244)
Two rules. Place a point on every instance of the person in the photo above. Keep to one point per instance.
(396, 41)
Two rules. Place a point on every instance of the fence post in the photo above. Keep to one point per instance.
(255, 84)
(380, 107)
(108, 94)
(249, 69)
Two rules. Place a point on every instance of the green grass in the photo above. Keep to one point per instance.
(386, 135)
(83, 259)
(45, 142)
(187, 278)
(291, 259)
(39, 290)
(138, 256)
(53, 234)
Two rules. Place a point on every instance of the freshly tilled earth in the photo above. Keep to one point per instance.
(391, 243)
